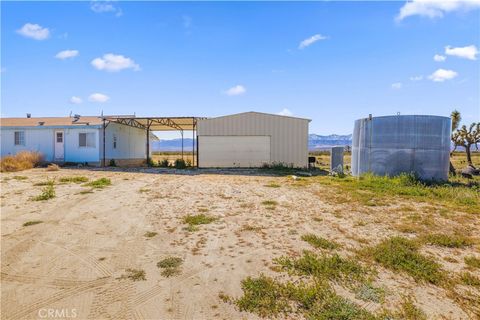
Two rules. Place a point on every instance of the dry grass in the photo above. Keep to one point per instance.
(21, 161)
(53, 167)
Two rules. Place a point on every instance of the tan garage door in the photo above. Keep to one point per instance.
(233, 151)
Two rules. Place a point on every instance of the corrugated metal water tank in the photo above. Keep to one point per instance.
(392, 145)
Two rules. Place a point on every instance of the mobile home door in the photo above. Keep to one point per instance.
(59, 145)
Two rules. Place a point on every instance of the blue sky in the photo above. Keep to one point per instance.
(332, 62)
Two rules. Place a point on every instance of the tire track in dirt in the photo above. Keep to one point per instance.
(31, 279)
(26, 310)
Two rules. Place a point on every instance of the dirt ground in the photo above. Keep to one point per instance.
(77, 258)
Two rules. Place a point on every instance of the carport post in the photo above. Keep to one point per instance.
(182, 142)
(193, 142)
(148, 143)
(103, 158)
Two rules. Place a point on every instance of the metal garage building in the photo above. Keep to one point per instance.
(252, 139)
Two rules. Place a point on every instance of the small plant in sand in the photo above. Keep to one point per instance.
(319, 242)
(469, 279)
(164, 163)
(20, 178)
(449, 241)
(45, 183)
(47, 193)
(170, 266)
(194, 221)
(272, 185)
(99, 183)
(472, 262)
(135, 275)
(31, 223)
(74, 179)
(150, 234)
(401, 254)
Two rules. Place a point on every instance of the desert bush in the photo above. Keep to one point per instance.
(21, 161)
(170, 266)
(31, 223)
(53, 167)
(99, 183)
(270, 298)
(163, 163)
(401, 254)
(449, 241)
(180, 164)
(74, 179)
(319, 242)
(472, 262)
(47, 193)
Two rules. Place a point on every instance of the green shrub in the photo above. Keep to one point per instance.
(319, 242)
(270, 298)
(99, 183)
(324, 267)
(469, 279)
(163, 163)
(112, 163)
(472, 262)
(198, 219)
(450, 241)
(150, 234)
(180, 164)
(401, 254)
(74, 179)
(47, 193)
(31, 223)
(170, 266)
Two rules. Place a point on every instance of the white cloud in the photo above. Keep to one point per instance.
(435, 8)
(397, 85)
(468, 52)
(34, 31)
(309, 41)
(105, 6)
(441, 75)
(236, 90)
(439, 58)
(76, 100)
(112, 63)
(65, 54)
(285, 112)
(416, 78)
(98, 97)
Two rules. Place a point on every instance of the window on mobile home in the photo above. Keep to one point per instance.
(19, 138)
(86, 139)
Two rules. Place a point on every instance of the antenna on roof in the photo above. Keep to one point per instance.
(70, 115)
(102, 112)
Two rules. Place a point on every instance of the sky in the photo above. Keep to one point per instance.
(332, 62)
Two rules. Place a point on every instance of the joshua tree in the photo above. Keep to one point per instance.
(465, 137)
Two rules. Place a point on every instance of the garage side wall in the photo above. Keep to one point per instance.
(288, 135)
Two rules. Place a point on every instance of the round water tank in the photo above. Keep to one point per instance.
(392, 145)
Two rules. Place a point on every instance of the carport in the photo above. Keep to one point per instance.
(150, 124)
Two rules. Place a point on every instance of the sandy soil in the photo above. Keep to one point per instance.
(75, 259)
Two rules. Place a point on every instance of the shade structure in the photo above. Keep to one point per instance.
(157, 123)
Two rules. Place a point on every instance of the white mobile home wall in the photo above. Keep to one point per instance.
(240, 134)
(41, 139)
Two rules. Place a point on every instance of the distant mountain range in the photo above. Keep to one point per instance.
(315, 142)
